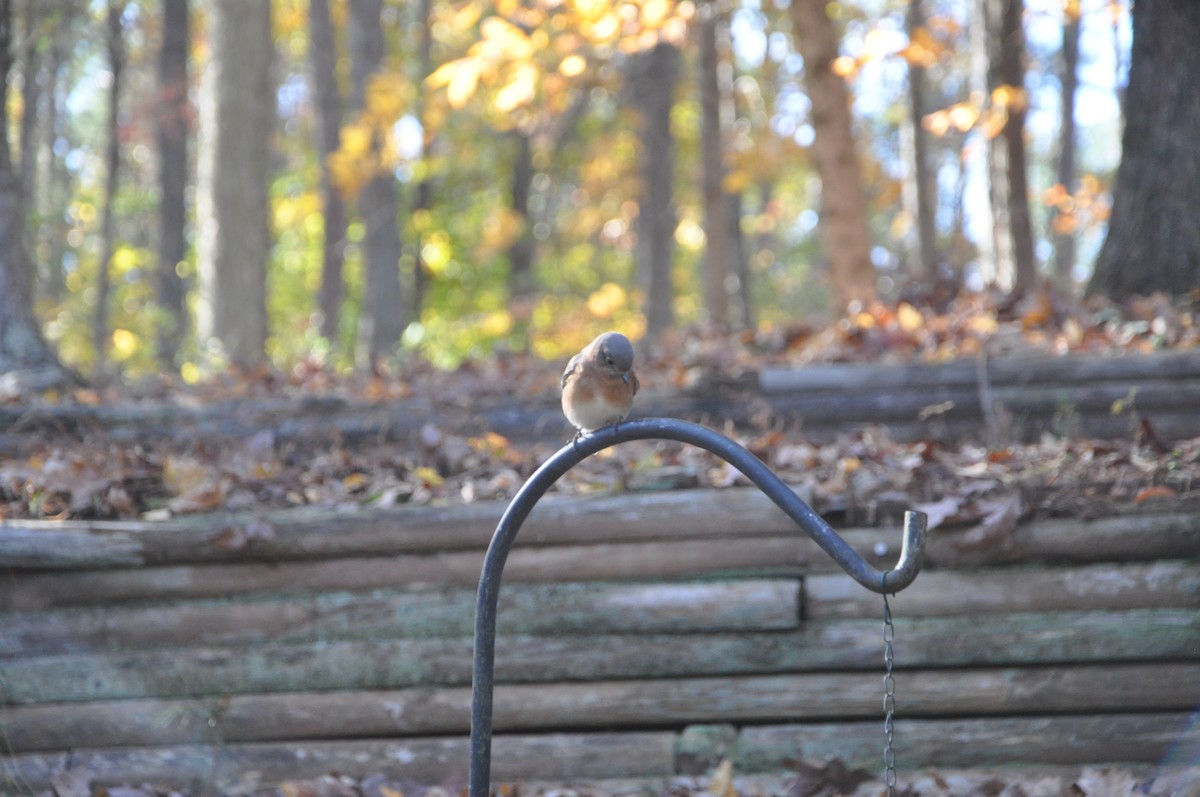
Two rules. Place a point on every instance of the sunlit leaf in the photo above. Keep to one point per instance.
(573, 65)
(463, 82)
(520, 89)
(607, 300)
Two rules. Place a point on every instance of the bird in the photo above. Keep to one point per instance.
(599, 384)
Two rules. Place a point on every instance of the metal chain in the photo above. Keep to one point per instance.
(889, 700)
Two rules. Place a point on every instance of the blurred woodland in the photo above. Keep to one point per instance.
(355, 184)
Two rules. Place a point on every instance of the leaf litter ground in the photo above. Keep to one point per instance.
(94, 470)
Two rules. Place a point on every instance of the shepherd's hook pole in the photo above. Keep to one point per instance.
(911, 553)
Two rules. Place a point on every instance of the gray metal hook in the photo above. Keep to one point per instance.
(912, 551)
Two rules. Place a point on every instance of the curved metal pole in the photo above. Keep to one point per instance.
(911, 553)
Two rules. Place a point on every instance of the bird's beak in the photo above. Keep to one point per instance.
(625, 377)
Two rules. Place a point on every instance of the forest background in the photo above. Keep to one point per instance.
(341, 184)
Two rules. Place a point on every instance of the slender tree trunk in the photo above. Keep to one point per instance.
(328, 100)
(112, 161)
(845, 230)
(384, 313)
(520, 254)
(1012, 74)
(718, 247)
(31, 96)
(1063, 225)
(1153, 241)
(236, 109)
(22, 347)
(423, 195)
(49, 243)
(992, 249)
(920, 196)
(1012, 267)
(173, 121)
(652, 77)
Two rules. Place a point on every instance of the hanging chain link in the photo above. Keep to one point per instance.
(889, 700)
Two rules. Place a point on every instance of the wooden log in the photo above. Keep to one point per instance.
(525, 609)
(853, 378)
(949, 592)
(1019, 639)
(47, 546)
(1116, 739)
(308, 533)
(222, 766)
(1133, 538)
(626, 704)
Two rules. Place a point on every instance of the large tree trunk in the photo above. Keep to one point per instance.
(384, 313)
(112, 162)
(844, 226)
(22, 348)
(1153, 241)
(718, 248)
(173, 122)
(236, 109)
(652, 77)
(328, 101)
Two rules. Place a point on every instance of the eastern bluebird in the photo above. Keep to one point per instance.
(599, 384)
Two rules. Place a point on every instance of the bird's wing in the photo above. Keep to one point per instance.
(571, 366)
(633, 381)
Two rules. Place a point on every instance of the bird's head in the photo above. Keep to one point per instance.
(615, 351)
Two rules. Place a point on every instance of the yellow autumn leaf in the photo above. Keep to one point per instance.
(356, 482)
(357, 139)
(607, 300)
(655, 13)
(1010, 98)
(591, 10)
(385, 98)
(909, 317)
(844, 66)
(429, 476)
(963, 116)
(520, 89)
(505, 40)
(573, 65)
(125, 344)
(464, 83)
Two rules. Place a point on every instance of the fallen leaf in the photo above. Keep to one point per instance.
(1157, 491)
(939, 511)
(996, 528)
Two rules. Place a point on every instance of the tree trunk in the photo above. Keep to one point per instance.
(919, 194)
(22, 348)
(384, 314)
(1012, 74)
(1063, 223)
(112, 161)
(328, 102)
(1011, 266)
(236, 109)
(718, 246)
(844, 224)
(520, 254)
(173, 122)
(652, 77)
(423, 195)
(1153, 241)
